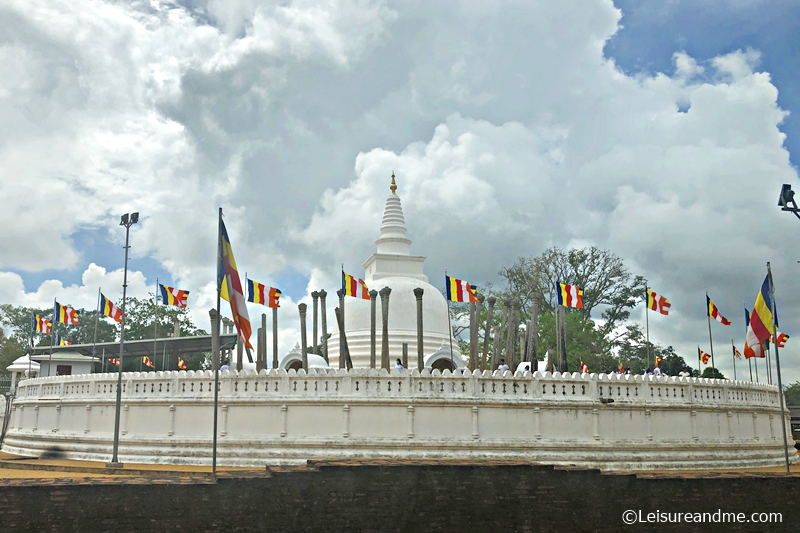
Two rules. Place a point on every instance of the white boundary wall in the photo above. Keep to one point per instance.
(289, 417)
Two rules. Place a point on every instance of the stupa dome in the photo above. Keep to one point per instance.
(393, 266)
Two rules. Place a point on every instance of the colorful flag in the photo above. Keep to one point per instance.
(181, 363)
(114, 360)
(736, 353)
(147, 362)
(230, 289)
(657, 302)
(61, 341)
(110, 310)
(67, 315)
(746, 317)
(354, 287)
(258, 293)
(173, 296)
(459, 290)
(621, 368)
(584, 368)
(42, 325)
(714, 313)
(570, 296)
(658, 360)
(782, 338)
(761, 323)
(703, 356)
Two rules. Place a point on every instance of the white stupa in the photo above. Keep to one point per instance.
(393, 266)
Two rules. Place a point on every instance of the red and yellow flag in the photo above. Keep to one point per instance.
(66, 315)
(657, 302)
(181, 364)
(110, 310)
(714, 313)
(147, 362)
(258, 293)
(230, 289)
(458, 290)
(355, 287)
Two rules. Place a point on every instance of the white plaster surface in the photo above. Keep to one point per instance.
(287, 417)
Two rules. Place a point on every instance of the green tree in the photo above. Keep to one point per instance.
(711, 372)
(792, 393)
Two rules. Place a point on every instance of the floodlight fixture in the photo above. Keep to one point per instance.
(786, 200)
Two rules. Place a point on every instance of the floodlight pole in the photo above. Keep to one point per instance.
(128, 220)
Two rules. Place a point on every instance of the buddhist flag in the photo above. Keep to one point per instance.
(181, 364)
(657, 302)
(258, 293)
(110, 310)
(782, 338)
(736, 353)
(114, 360)
(584, 368)
(703, 356)
(67, 315)
(761, 323)
(61, 341)
(355, 287)
(42, 325)
(230, 289)
(173, 296)
(570, 296)
(658, 360)
(147, 362)
(714, 313)
(459, 290)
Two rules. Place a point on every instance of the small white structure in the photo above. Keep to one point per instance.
(22, 368)
(294, 360)
(63, 363)
(443, 359)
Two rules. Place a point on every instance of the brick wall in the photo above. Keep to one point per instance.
(398, 498)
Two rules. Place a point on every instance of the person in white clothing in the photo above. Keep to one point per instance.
(399, 366)
(656, 371)
(502, 367)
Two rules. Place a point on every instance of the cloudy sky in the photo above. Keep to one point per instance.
(660, 130)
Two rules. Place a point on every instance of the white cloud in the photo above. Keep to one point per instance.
(508, 129)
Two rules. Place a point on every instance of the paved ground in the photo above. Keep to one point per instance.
(16, 471)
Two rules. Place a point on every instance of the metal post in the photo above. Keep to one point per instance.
(94, 340)
(647, 321)
(473, 335)
(274, 337)
(418, 292)
(373, 297)
(216, 351)
(778, 365)
(155, 323)
(385, 292)
(127, 222)
(303, 340)
(710, 341)
(341, 325)
(324, 317)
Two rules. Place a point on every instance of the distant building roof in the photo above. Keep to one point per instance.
(139, 348)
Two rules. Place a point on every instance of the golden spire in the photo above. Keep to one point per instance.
(393, 186)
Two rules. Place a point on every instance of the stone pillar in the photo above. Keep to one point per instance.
(373, 296)
(274, 337)
(532, 346)
(176, 328)
(514, 334)
(405, 355)
(473, 335)
(303, 340)
(344, 356)
(314, 321)
(508, 333)
(341, 325)
(239, 354)
(214, 339)
(418, 292)
(385, 292)
(488, 330)
(259, 348)
(324, 317)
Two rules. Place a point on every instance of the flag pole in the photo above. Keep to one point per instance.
(698, 362)
(30, 352)
(733, 349)
(216, 351)
(449, 324)
(778, 364)
(155, 322)
(94, 340)
(710, 341)
(749, 362)
(647, 320)
(558, 330)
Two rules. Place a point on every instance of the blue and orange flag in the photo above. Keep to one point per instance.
(61, 341)
(230, 289)
(258, 293)
(762, 323)
(459, 290)
(42, 325)
(107, 308)
(355, 287)
(173, 296)
(570, 296)
(65, 314)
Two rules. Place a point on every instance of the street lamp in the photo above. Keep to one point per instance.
(786, 200)
(127, 220)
